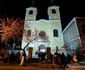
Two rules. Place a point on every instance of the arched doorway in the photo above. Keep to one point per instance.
(42, 52)
(42, 48)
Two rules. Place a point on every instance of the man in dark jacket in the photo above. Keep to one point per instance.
(69, 58)
(62, 60)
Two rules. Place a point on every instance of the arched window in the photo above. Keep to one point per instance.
(53, 11)
(57, 48)
(31, 12)
(55, 33)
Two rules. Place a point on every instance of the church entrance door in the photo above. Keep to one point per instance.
(42, 48)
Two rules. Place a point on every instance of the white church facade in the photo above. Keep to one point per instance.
(42, 34)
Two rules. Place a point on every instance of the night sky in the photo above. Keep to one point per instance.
(68, 9)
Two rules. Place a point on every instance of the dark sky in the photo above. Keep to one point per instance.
(68, 9)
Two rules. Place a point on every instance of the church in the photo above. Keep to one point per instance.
(42, 35)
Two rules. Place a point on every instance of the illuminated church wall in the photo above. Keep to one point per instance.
(48, 26)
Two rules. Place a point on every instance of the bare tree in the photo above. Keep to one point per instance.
(35, 35)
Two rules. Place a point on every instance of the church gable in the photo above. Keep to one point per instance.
(42, 20)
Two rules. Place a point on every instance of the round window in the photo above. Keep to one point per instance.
(42, 34)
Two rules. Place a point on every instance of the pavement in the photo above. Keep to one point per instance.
(75, 66)
(29, 66)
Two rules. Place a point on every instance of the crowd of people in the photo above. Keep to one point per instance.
(56, 58)
(13, 57)
(61, 59)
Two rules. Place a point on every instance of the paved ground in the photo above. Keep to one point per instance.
(33, 66)
(76, 66)
(29, 66)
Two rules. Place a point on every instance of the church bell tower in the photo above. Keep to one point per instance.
(53, 11)
(31, 12)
